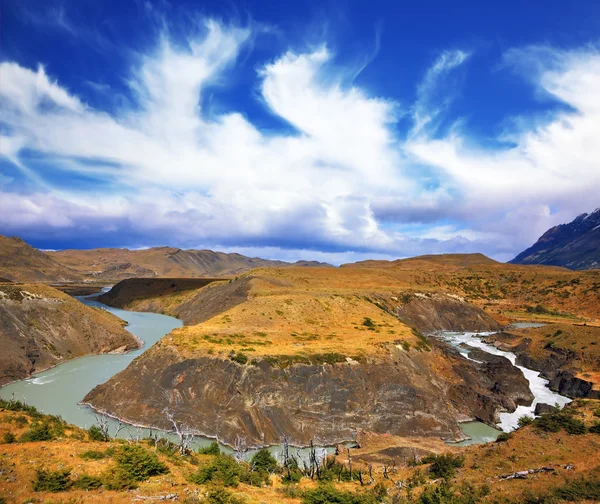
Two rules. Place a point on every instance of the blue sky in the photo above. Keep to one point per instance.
(320, 130)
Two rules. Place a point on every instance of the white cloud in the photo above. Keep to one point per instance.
(191, 177)
(428, 106)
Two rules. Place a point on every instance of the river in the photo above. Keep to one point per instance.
(537, 384)
(59, 390)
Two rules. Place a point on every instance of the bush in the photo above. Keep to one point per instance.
(446, 494)
(262, 460)
(444, 465)
(595, 428)
(557, 420)
(166, 447)
(330, 495)
(95, 434)
(52, 481)
(87, 482)
(96, 455)
(221, 496)
(223, 470)
(134, 464)
(8, 438)
(211, 449)
(597, 412)
(524, 421)
(240, 358)
(504, 436)
(369, 324)
(19, 406)
(39, 432)
(579, 489)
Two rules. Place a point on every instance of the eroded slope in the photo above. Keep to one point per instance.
(41, 326)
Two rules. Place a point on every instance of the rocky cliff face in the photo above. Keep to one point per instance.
(397, 392)
(575, 245)
(40, 327)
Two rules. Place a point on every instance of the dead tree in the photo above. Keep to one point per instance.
(285, 442)
(240, 448)
(103, 424)
(350, 463)
(183, 432)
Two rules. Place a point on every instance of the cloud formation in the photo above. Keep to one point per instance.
(345, 181)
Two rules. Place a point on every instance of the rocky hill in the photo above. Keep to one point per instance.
(117, 264)
(41, 327)
(21, 262)
(575, 245)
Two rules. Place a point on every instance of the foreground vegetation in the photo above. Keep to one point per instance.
(44, 459)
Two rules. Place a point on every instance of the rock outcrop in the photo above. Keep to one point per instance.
(567, 384)
(397, 392)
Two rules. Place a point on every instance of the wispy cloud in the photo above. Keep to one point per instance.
(433, 93)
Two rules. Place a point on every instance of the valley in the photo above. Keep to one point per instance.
(363, 353)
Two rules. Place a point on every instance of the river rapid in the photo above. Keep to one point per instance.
(537, 384)
(58, 391)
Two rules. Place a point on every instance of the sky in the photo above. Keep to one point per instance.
(324, 130)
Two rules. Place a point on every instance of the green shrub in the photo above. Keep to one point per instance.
(96, 455)
(595, 428)
(19, 406)
(52, 481)
(8, 438)
(38, 432)
(21, 421)
(444, 465)
(221, 496)
(211, 449)
(223, 470)
(166, 447)
(597, 412)
(560, 419)
(524, 421)
(134, 464)
(262, 460)
(327, 494)
(579, 489)
(444, 493)
(503, 437)
(87, 482)
(95, 434)
(293, 476)
(368, 323)
(240, 358)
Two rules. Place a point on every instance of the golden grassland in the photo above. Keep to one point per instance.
(296, 323)
(319, 310)
(571, 457)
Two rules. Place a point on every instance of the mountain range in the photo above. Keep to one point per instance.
(21, 262)
(575, 245)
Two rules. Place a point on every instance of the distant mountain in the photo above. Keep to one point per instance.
(118, 264)
(575, 245)
(20, 262)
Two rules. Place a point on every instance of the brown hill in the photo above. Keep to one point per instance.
(116, 264)
(41, 326)
(21, 262)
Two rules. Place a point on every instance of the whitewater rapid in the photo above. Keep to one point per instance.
(537, 384)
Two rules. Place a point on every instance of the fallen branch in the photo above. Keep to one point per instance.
(524, 474)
